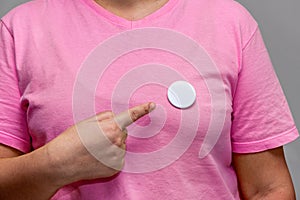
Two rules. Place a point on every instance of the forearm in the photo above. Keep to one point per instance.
(264, 175)
(64, 160)
(280, 192)
(29, 176)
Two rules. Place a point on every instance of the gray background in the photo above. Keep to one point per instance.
(279, 23)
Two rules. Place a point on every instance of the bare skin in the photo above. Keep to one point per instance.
(264, 175)
(64, 160)
(132, 9)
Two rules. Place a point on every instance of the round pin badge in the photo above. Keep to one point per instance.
(181, 94)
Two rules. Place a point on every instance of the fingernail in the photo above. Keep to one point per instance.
(152, 106)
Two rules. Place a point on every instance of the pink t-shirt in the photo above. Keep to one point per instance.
(62, 60)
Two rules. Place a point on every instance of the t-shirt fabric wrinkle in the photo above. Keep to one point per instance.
(43, 48)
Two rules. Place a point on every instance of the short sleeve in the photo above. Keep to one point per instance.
(261, 118)
(13, 127)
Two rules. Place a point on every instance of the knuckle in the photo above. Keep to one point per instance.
(134, 115)
(114, 127)
(118, 142)
(110, 114)
(146, 109)
(105, 115)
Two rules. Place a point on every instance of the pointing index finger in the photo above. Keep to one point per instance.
(129, 116)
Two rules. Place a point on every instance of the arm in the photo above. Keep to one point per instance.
(26, 176)
(64, 160)
(40, 173)
(264, 175)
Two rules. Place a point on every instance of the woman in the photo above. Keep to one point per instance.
(51, 149)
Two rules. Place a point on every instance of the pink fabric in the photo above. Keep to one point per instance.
(43, 44)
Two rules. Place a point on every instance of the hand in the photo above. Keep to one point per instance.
(73, 153)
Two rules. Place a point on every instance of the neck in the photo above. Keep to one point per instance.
(125, 3)
(131, 9)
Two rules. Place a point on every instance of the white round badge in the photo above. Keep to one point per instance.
(181, 94)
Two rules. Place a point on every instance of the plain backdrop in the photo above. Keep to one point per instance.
(279, 23)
